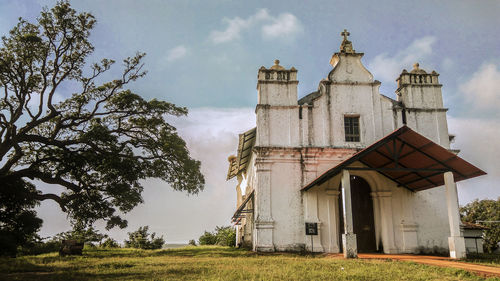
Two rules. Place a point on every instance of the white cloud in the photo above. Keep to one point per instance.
(284, 24)
(478, 142)
(482, 89)
(177, 53)
(387, 68)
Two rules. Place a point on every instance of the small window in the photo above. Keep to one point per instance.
(351, 126)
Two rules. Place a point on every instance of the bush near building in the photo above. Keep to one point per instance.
(222, 236)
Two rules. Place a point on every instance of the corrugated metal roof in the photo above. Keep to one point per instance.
(238, 213)
(245, 145)
(409, 159)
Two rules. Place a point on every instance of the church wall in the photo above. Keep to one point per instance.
(403, 216)
(388, 117)
(351, 100)
(431, 216)
(329, 214)
(284, 126)
(286, 202)
(319, 124)
(431, 124)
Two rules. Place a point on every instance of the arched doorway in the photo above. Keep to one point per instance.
(362, 215)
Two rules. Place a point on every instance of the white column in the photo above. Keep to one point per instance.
(333, 220)
(376, 217)
(348, 238)
(311, 214)
(264, 223)
(456, 241)
(385, 198)
(239, 197)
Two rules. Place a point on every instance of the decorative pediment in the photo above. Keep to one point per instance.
(348, 68)
(347, 65)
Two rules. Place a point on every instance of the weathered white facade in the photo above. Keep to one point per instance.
(296, 141)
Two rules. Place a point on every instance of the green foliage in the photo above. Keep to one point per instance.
(39, 245)
(192, 242)
(88, 235)
(222, 236)
(141, 239)
(109, 243)
(97, 144)
(18, 221)
(226, 236)
(487, 211)
(208, 238)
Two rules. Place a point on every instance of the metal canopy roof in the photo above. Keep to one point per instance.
(242, 208)
(409, 159)
(245, 145)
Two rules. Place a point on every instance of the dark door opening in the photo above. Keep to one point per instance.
(362, 216)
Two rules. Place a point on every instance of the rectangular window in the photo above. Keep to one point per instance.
(351, 126)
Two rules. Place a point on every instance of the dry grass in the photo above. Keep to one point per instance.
(214, 263)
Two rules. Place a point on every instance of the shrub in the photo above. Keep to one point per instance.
(226, 236)
(223, 236)
(141, 239)
(208, 238)
(88, 235)
(38, 246)
(192, 242)
(109, 243)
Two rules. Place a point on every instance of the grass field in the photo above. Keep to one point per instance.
(214, 263)
(484, 259)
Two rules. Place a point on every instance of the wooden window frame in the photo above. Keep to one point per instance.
(352, 131)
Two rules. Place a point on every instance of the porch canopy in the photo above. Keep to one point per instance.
(242, 209)
(409, 159)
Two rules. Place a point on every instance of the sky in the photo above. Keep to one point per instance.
(205, 55)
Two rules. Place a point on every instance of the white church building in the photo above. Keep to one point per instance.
(367, 173)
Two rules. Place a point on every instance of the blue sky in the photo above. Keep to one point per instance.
(205, 55)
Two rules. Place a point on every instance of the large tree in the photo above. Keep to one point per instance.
(485, 212)
(95, 146)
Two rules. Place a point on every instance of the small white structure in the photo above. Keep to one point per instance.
(373, 173)
(473, 235)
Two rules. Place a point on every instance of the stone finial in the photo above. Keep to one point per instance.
(231, 158)
(277, 65)
(417, 70)
(346, 45)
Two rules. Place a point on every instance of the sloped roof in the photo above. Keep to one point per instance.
(409, 159)
(245, 145)
(242, 209)
(469, 225)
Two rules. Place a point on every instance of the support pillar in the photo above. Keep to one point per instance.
(333, 220)
(311, 212)
(456, 241)
(385, 199)
(376, 218)
(264, 223)
(348, 238)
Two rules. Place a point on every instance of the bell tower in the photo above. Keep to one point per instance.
(421, 101)
(277, 108)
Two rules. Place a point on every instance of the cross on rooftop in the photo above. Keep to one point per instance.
(345, 33)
